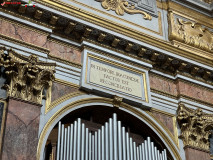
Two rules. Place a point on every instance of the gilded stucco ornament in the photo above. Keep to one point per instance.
(117, 101)
(26, 77)
(190, 33)
(207, 1)
(195, 127)
(121, 6)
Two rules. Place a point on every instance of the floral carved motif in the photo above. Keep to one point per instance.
(195, 127)
(26, 77)
(122, 6)
(190, 33)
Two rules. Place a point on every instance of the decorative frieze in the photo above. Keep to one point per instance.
(27, 77)
(190, 33)
(195, 127)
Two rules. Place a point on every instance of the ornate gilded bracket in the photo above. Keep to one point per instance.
(121, 6)
(117, 101)
(195, 127)
(190, 33)
(27, 77)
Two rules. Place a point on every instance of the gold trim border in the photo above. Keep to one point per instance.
(66, 83)
(61, 100)
(3, 125)
(108, 101)
(123, 67)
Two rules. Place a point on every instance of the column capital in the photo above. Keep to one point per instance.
(195, 127)
(26, 76)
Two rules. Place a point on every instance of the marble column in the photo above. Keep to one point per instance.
(21, 130)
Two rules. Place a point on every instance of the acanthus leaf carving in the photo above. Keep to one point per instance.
(27, 77)
(195, 127)
(122, 6)
(193, 34)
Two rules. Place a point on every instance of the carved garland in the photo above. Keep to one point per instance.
(190, 33)
(195, 127)
(26, 76)
(121, 6)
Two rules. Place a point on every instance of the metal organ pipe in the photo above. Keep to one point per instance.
(110, 142)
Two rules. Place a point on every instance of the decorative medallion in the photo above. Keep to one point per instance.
(190, 33)
(195, 127)
(27, 77)
(122, 6)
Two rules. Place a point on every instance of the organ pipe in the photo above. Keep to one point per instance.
(110, 142)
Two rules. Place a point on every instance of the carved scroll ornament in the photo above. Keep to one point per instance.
(121, 6)
(190, 33)
(26, 77)
(195, 127)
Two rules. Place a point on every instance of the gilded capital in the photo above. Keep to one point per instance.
(195, 127)
(26, 77)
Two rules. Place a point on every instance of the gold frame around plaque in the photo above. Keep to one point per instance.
(120, 66)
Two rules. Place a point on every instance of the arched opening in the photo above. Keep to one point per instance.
(94, 117)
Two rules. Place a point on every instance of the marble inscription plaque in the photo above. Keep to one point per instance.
(115, 78)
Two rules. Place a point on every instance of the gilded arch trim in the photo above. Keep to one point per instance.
(124, 106)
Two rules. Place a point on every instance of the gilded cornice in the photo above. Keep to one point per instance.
(190, 33)
(78, 31)
(121, 29)
(195, 127)
(26, 77)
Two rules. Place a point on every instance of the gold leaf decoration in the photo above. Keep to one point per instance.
(190, 33)
(26, 77)
(208, 1)
(195, 127)
(122, 6)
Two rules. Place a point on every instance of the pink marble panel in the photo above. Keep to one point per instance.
(21, 131)
(195, 92)
(59, 90)
(21, 33)
(166, 120)
(193, 154)
(163, 85)
(63, 52)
